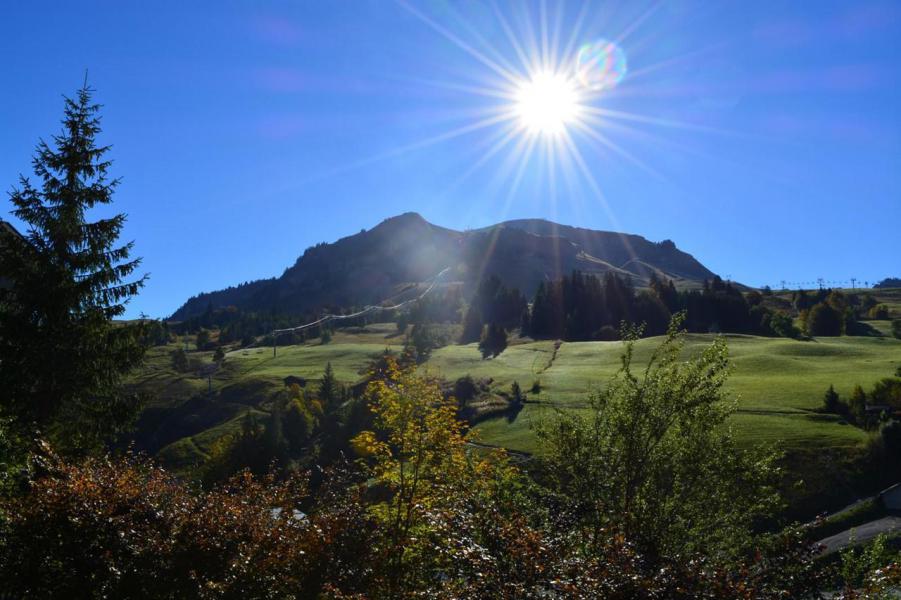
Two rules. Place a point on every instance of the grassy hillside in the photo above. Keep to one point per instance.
(778, 383)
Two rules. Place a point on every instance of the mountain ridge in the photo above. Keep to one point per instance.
(368, 266)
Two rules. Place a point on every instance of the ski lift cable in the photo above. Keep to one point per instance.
(367, 309)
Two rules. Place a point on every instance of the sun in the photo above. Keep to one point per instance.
(546, 103)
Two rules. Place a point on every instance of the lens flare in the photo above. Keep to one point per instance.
(600, 65)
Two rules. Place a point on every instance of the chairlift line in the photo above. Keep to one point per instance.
(365, 310)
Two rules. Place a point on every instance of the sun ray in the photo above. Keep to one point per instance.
(498, 143)
(511, 37)
(676, 60)
(400, 151)
(576, 31)
(555, 59)
(533, 41)
(542, 23)
(636, 23)
(499, 93)
(523, 163)
(627, 116)
(511, 77)
(592, 182)
(599, 137)
(498, 56)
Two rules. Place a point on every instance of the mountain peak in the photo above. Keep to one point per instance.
(406, 249)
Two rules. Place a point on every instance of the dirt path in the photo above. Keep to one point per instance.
(550, 362)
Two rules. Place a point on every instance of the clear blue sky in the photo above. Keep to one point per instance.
(762, 137)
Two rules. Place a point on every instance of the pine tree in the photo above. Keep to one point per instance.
(328, 387)
(831, 402)
(472, 326)
(61, 355)
(857, 405)
(494, 340)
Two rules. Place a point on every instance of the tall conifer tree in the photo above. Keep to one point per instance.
(61, 354)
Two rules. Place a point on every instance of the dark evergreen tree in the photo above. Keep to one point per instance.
(472, 326)
(276, 446)
(299, 424)
(525, 322)
(831, 402)
(328, 388)
(516, 393)
(203, 339)
(61, 355)
(179, 360)
(423, 341)
(857, 406)
(494, 340)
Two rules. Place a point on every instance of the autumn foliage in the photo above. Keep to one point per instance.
(420, 513)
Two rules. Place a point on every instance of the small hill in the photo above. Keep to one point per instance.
(371, 265)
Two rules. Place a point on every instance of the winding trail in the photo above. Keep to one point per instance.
(550, 362)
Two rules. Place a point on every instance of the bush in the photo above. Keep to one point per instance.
(782, 325)
(896, 328)
(887, 391)
(179, 360)
(203, 339)
(465, 389)
(123, 528)
(824, 320)
(880, 311)
(652, 458)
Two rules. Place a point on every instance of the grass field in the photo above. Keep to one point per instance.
(778, 383)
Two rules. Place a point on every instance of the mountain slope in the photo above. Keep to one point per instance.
(372, 265)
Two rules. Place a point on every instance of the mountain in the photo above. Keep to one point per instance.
(405, 251)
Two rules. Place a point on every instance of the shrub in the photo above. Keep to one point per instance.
(896, 328)
(652, 458)
(123, 528)
(824, 320)
(880, 311)
(782, 325)
(465, 389)
(179, 360)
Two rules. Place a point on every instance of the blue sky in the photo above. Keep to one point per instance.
(762, 137)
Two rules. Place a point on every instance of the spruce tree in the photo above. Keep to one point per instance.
(472, 325)
(831, 402)
(61, 354)
(328, 387)
(494, 340)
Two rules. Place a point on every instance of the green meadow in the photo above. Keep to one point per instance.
(778, 383)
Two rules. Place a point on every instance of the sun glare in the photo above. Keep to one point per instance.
(547, 103)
